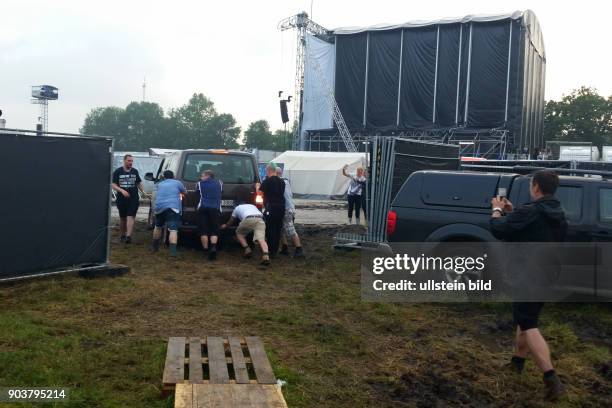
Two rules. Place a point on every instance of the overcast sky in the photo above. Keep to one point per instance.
(98, 52)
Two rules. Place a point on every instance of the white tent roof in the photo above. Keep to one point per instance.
(319, 174)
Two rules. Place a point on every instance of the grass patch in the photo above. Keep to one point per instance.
(105, 338)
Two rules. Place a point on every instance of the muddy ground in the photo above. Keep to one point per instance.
(332, 349)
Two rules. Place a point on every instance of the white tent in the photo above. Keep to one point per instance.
(319, 174)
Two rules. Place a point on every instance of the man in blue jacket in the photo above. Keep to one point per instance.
(168, 208)
(209, 190)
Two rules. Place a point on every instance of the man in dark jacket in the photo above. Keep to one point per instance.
(209, 191)
(273, 188)
(540, 220)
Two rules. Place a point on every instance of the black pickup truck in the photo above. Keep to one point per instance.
(443, 206)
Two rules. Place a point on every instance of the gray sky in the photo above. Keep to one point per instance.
(98, 52)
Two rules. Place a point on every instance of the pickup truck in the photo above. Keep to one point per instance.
(455, 206)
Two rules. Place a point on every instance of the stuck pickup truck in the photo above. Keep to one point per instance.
(447, 206)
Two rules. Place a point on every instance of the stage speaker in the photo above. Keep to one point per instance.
(283, 110)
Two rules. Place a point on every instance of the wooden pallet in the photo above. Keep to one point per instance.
(216, 360)
(229, 396)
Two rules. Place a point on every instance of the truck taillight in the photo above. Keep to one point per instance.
(259, 199)
(391, 222)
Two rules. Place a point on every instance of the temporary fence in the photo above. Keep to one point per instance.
(69, 177)
(392, 160)
(378, 195)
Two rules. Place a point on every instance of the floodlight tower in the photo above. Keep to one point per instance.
(41, 95)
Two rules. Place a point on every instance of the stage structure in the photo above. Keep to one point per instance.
(476, 81)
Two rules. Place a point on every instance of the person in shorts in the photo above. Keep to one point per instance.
(540, 220)
(209, 190)
(127, 182)
(288, 230)
(168, 208)
(250, 219)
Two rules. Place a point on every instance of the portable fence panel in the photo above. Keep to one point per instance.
(56, 207)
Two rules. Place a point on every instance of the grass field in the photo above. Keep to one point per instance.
(104, 338)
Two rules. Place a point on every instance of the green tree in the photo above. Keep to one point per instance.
(223, 131)
(108, 121)
(142, 125)
(581, 116)
(283, 140)
(198, 125)
(258, 135)
(137, 127)
(146, 125)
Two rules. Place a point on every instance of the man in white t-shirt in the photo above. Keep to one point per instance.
(250, 220)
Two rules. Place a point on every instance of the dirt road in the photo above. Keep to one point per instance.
(308, 212)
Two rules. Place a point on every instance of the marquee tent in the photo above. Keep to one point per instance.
(319, 174)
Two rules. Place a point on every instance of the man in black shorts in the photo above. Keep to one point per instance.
(209, 190)
(541, 220)
(127, 182)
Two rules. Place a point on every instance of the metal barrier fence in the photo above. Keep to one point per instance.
(391, 161)
(378, 195)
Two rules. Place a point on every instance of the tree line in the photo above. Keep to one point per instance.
(581, 116)
(197, 124)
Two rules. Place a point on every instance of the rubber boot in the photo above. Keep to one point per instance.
(265, 259)
(554, 387)
(155, 245)
(212, 253)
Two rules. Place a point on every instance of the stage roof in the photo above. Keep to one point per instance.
(530, 22)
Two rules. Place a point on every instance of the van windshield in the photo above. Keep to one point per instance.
(233, 169)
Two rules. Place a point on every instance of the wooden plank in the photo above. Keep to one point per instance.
(202, 396)
(196, 374)
(279, 394)
(174, 370)
(217, 364)
(240, 369)
(240, 398)
(237, 396)
(222, 396)
(273, 396)
(261, 364)
(183, 398)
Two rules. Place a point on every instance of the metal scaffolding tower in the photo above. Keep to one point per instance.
(43, 117)
(41, 95)
(302, 25)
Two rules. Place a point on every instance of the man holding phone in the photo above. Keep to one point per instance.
(540, 220)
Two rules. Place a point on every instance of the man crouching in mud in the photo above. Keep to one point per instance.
(541, 220)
